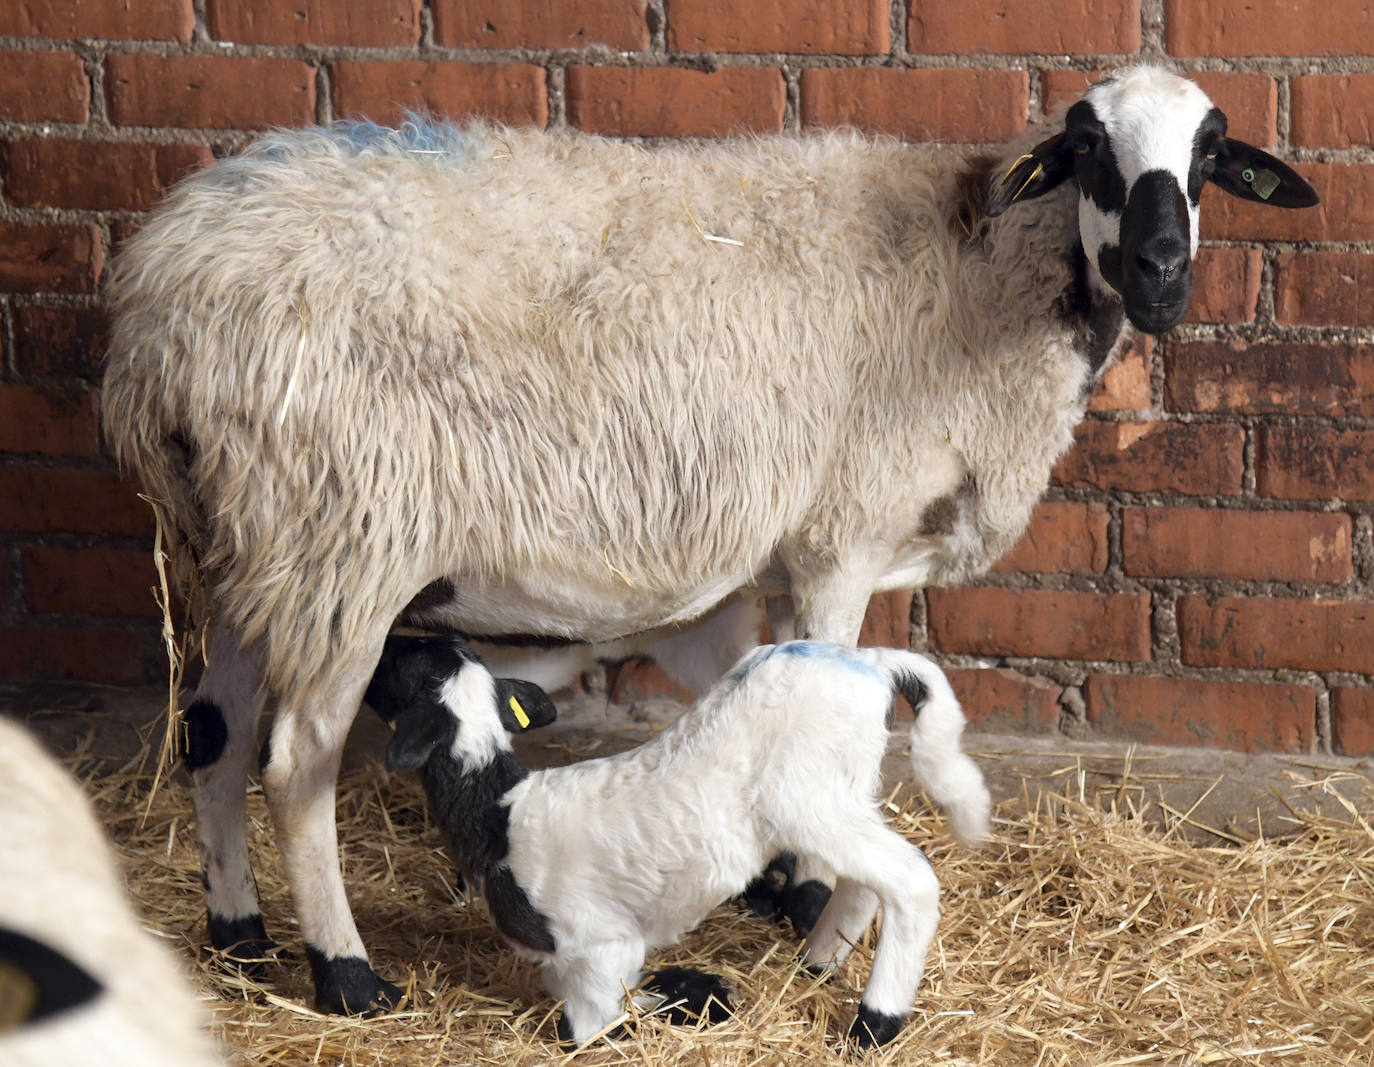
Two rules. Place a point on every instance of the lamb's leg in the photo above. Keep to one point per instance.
(219, 749)
(687, 995)
(844, 920)
(300, 775)
(592, 986)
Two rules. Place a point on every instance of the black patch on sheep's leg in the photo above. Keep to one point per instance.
(764, 895)
(242, 942)
(873, 1028)
(204, 734)
(513, 913)
(803, 904)
(690, 995)
(347, 985)
(37, 981)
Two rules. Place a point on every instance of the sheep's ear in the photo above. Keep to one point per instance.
(523, 705)
(1046, 166)
(419, 731)
(1251, 174)
(37, 981)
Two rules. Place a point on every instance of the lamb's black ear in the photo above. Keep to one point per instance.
(37, 981)
(1046, 166)
(523, 705)
(1252, 174)
(419, 731)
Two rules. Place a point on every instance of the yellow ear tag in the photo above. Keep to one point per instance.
(520, 716)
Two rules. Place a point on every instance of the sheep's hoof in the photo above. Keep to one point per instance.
(873, 1028)
(690, 995)
(243, 945)
(347, 985)
(804, 903)
(565, 1033)
(774, 895)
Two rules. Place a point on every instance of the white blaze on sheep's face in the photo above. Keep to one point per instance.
(470, 697)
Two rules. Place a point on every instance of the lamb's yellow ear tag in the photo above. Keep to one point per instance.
(520, 716)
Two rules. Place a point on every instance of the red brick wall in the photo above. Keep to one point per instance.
(1200, 571)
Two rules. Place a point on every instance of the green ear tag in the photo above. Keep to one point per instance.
(1262, 181)
(520, 716)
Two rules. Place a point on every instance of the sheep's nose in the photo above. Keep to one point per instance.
(1161, 259)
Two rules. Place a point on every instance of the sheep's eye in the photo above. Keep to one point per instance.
(1080, 146)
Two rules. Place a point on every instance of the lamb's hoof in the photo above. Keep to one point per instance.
(243, 945)
(347, 985)
(804, 903)
(565, 1033)
(873, 1028)
(774, 895)
(690, 995)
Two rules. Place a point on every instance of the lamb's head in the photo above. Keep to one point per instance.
(1140, 146)
(442, 701)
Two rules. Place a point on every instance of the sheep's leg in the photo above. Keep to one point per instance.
(698, 657)
(220, 745)
(848, 914)
(592, 986)
(300, 775)
(686, 995)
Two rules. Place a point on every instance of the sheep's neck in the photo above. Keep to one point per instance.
(467, 804)
(1095, 314)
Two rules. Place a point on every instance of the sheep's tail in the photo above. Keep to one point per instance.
(938, 762)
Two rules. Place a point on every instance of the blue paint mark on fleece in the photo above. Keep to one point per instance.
(813, 650)
(418, 134)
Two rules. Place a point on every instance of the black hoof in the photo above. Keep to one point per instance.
(874, 1028)
(243, 944)
(565, 1034)
(804, 903)
(347, 985)
(690, 995)
(763, 896)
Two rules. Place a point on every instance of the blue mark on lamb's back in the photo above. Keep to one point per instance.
(811, 650)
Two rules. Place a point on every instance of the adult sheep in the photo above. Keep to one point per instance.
(556, 384)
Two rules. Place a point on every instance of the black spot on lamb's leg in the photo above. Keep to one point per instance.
(874, 1028)
(690, 995)
(347, 985)
(242, 942)
(204, 733)
(764, 895)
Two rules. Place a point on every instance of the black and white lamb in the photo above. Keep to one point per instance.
(587, 867)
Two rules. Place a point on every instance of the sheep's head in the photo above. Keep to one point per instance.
(1140, 146)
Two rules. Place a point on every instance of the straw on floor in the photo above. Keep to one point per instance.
(1084, 934)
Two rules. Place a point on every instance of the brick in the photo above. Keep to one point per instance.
(1038, 27)
(887, 622)
(1333, 111)
(54, 500)
(1064, 537)
(674, 101)
(1155, 457)
(1346, 211)
(366, 23)
(1263, 633)
(515, 94)
(145, 20)
(641, 679)
(209, 92)
(996, 700)
(1315, 463)
(1261, 546)
(60, 342)
(553, 24)
(1352, 721)
(1242, 716)
(89, 581)
(43, 87)
(49, 259)
(1324, 289)
(95, 175)
(1126, 385)
(45, 653)
(954, 105)
(1287, 379)
(1039, 622)
(1226, 285)
(857, 28)
(49, 421)
(1267, 28)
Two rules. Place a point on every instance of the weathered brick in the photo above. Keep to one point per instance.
(1039, 622)
(674, 101)
(1263, 546)
(1064, 537)
(1126, 385)
(89, 581)
(1287, 379)
(618, 24)
(1352, 721)
(640, 679)
(955, 105)
(887, 622)
(1346, 211)
(1243, 716)
(59, 342)
(859, 27)
(146, 20)
(43, 87)
(214, 92)
(1164, 457)
(510, 93)
(1315, 463)
(54, 500)
(41, 652)
(996, 700)
(95, 175)
(1333, 111)
(1039, 27)
(35, 258)
(1226, 285)
(1267, 28)
(367, 23)
(1263, 633)
(1324, 289)
(48, 420)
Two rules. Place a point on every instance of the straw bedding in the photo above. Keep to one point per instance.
(1085, 933)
